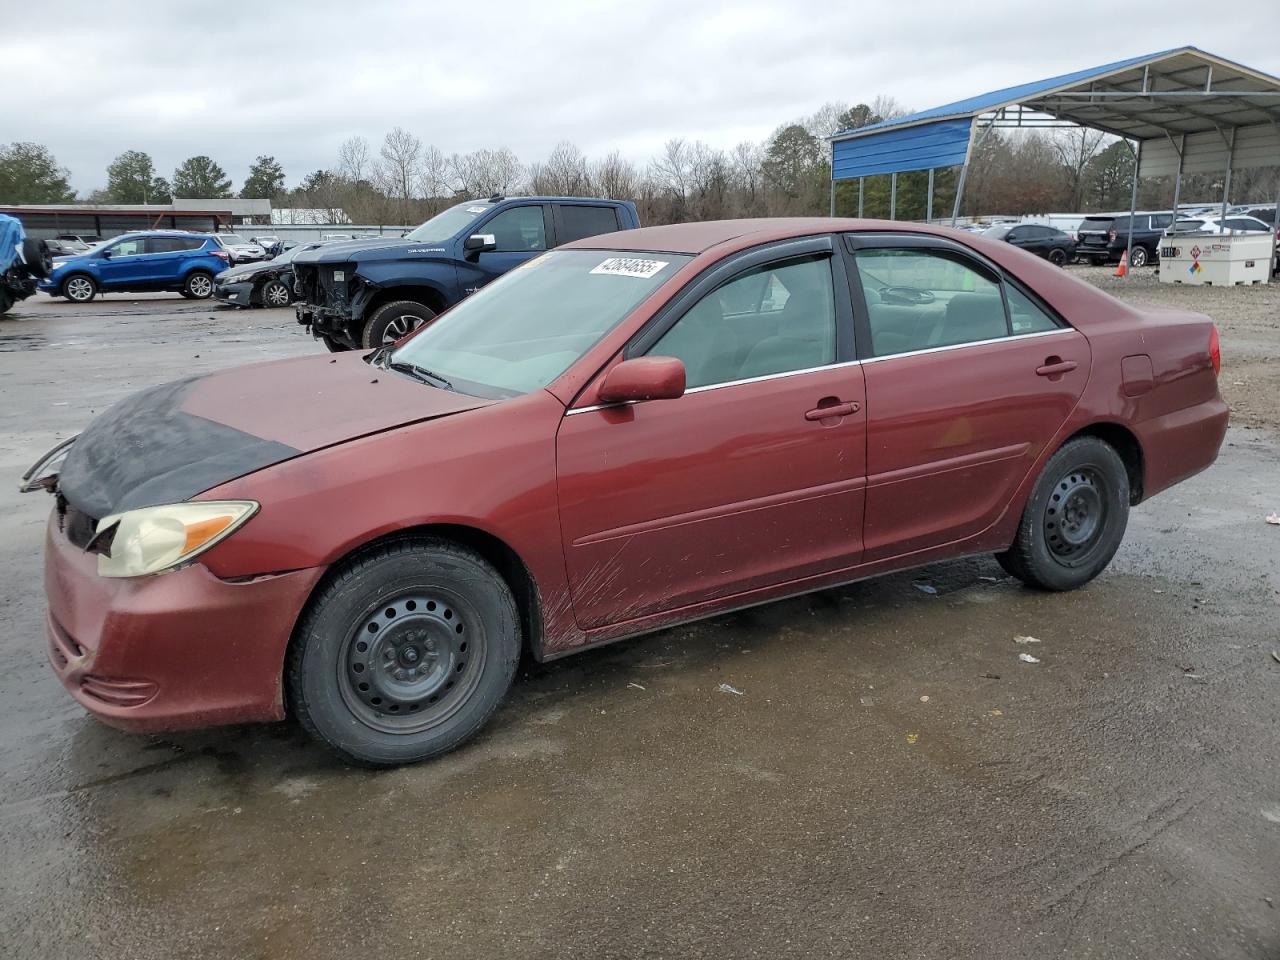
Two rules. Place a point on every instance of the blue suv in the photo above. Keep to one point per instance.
(139, 262)
(366, 293)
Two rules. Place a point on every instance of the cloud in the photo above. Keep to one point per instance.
(182, 78)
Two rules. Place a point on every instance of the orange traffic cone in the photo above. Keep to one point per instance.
(1123, 268)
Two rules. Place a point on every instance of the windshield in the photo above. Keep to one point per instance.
(527, 327)
(449, 223)
(292, 252)
(230, 238)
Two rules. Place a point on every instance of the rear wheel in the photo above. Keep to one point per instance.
(36, 254)
(1098, 261)
(1058, 257)
(275, 294)
(198, 285)
(1140, 257)
(1075, 519)
(405, 653)
(391, 321)
(79, 288)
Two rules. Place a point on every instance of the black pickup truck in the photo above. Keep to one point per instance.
(366, 293)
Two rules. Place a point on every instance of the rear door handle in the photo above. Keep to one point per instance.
(834, 410)
(1055, 367)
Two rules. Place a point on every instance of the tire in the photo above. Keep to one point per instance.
(6, 301)
(36, 254)
(1058, 257)
(183, 293)
(79, 288)
(276, 294)
(1098, 261)
(391, 321)
(198, 285)
(404, 653)
(332, 345)
(1141, 257)
(1074, 520)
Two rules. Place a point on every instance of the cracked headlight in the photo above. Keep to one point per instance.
(155, 539)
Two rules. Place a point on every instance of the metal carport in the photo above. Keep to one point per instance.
(1182, 110)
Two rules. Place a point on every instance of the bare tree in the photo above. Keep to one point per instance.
(746, 159)
(483, 173)
(709, 175)
(564, 173)
(615, 177)
(1074, 149)
(400, 172)
(826, 120)
(353, 159)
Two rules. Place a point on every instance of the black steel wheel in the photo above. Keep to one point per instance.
(276, 294)
(1074, 520)
(404, 653)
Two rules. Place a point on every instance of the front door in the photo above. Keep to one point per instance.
(968, 377)
(127, 265)
(754, 477)
(519, 234)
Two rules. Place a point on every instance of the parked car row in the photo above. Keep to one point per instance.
(153, 260)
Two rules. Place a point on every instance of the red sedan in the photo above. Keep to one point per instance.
(630, 432)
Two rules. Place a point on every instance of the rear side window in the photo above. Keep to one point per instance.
(518, 230)
(919, 299)
(1161, 220)
(578, 221)
(1025, 315)
(166, 244)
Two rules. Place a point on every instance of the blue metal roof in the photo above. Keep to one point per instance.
(974, 106)
(942, 143)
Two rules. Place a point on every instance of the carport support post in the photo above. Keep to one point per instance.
(862, 185)
(1226, 182)
(833, 178)
(928, 207)
(1177, 179)
(1133, 200)
(893, 196)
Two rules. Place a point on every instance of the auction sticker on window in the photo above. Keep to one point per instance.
(630, 267)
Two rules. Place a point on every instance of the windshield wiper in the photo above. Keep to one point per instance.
(418, 373)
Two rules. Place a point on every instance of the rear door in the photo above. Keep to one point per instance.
(968, 377)
(754, 477)
(164, 258)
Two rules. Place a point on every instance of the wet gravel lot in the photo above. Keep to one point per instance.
(883, 779)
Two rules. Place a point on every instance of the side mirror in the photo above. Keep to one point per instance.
(479, 242)
(644, 378)
(106, 254)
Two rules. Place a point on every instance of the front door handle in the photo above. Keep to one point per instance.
(830, 411)
(1055, 367)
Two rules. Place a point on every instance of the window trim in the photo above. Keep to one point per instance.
(728, 269)
(548, 228)
(880, 240)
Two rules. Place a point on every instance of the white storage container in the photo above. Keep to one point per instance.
(1220, 259)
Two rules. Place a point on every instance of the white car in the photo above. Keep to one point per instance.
(240, 249)
(1231, 223)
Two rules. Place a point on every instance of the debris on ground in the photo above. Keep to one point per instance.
(1026, 640)
(1028, 658)
(926, 588)
(912, 737)
(725, 688)
(924, 699)
(989, 676)
(1275, 656)
(1273, 519)
(636, 685)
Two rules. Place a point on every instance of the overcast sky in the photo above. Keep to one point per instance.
(293, 80)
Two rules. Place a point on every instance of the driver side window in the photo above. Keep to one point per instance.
(772, 319)
(517, 230)
(127, 248)
(918, 299)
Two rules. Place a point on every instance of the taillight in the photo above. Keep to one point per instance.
(222, 255)
(1215, 350)
(1111, 237)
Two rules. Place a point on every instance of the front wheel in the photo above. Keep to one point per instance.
(405, 652)
(79, 288)
(198, 285)
(276, 294)
(394, 320)
(1075, 519)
